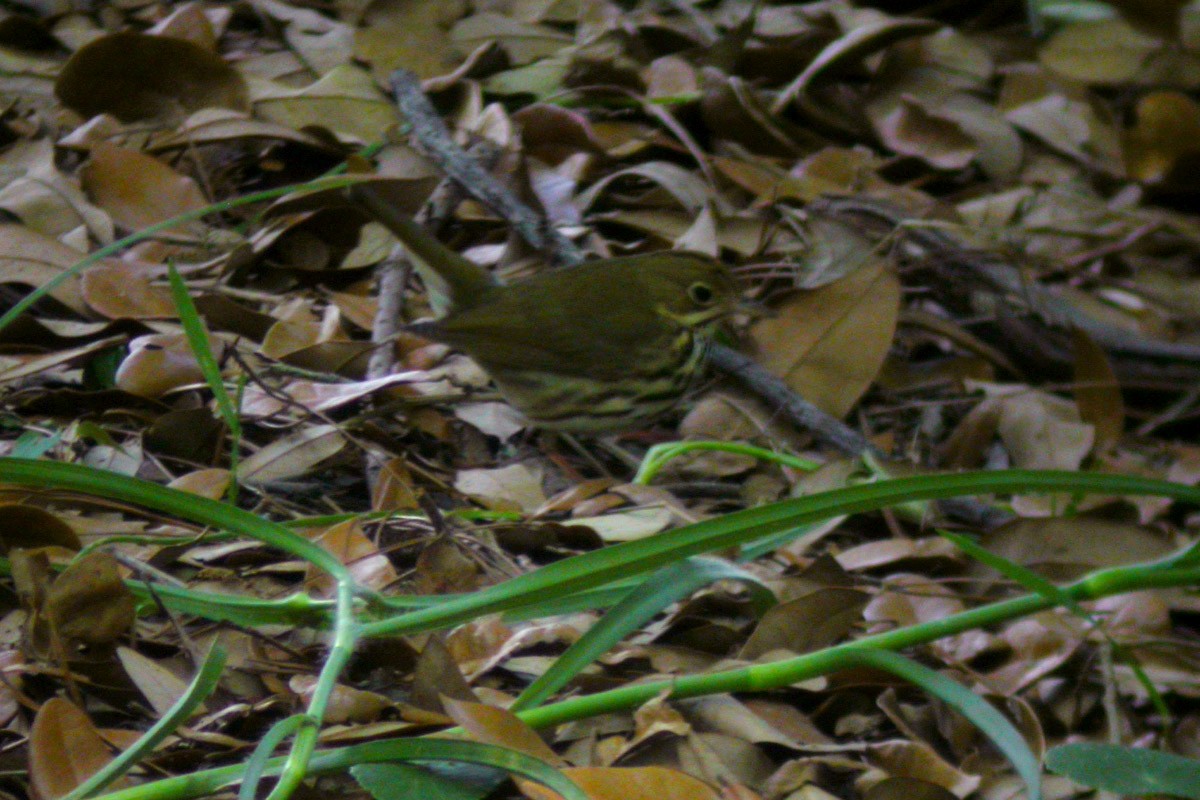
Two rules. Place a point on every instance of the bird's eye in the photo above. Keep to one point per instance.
(701, 294)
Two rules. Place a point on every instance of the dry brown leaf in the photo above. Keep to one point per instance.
(28, 258)
(1097, 393)
(345, 100)
(443, 568)
(918, 760)
(350, 545)
(816, 620)
(293, 455)
(138, 190)
(32, 527)
(46, 199)
(157, 364)
(88, 603)
(395, 488)
(1065, 548)
(523, 42)
(828, 344)
(852, 47)
(734, 112)
(320, 397)
(160, 687)
(1042, 431)
(211, 483)
(190, 23)
(12, 661)
(65, 749)
(346, 703)
(1037, 646)
(1115, 52)
(492, 725)
(517, 486)
(134, 76)
(128, 290)
(1163, 147)
(627, 783)
(410, 34)
(911, 128)
(437, 676)
(16, 368)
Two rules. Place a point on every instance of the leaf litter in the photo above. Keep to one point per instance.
(1025, 298)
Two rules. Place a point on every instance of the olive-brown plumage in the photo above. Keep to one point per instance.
(607, 345)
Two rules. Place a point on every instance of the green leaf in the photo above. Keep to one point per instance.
(412, 782)
(1127, 770)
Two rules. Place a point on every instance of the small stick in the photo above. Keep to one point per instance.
(431, 135)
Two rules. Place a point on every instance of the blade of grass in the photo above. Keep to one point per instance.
(658, 591)
(979, 711)
(630, 558)
(201, 687)
(201, 346)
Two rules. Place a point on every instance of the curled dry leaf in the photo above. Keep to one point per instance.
(1038, 430)
(848, 49)
(134, 76)
(29, 527)
(190, 22)
(734, 112)
(65, 749)
(912, 129)
(351, 546)
(88, 604)
(157, 364)
(902, 758)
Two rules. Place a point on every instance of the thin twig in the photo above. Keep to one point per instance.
(432, 137)
(781, 398)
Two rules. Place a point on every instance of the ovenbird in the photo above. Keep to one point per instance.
(603, 346)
